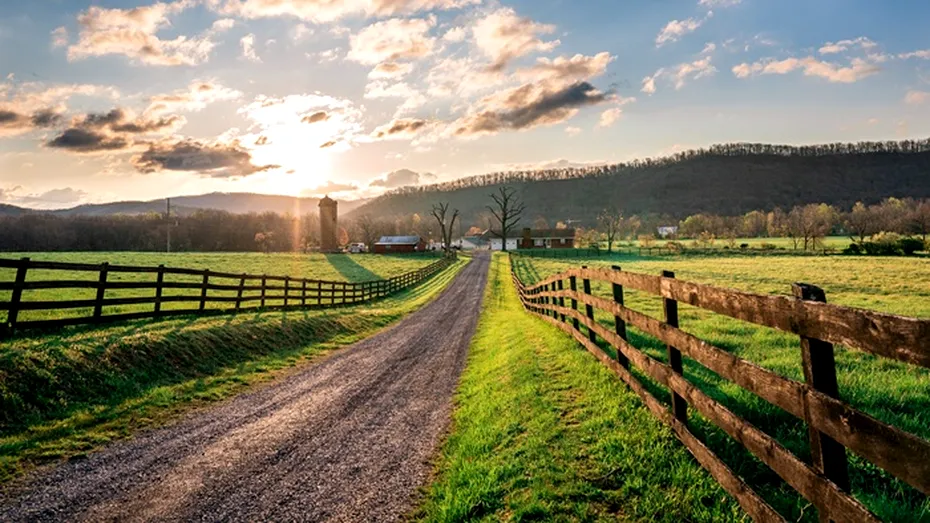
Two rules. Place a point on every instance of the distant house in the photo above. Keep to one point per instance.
(399, 244)
(534, 239)
(668, 231)
(470, 243)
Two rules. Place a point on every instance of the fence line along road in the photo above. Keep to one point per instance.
(242, 292)
(834, 425)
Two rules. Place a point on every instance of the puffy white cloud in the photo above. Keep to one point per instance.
(674, 30)
(248, 48)
(610, 117)
(196, 97)
(503, 36)
(844, 45)
(133, 33)
(321, 11)
(719, 3)
(680, 74)
(391, 40)
(923, 54)
(572, 131)
(386, 70)
(855, 71)
(565, 69)
(917, 97)
(456, 34)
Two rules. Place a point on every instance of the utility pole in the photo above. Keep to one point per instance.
(168, 222)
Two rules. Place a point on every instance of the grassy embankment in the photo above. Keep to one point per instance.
(892, 392)
(64, 395)
(542, 431)
(329, 267)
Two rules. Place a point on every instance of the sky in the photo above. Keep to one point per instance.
(135, 100)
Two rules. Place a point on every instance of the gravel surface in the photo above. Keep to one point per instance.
(345, 439)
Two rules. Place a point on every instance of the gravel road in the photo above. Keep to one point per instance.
(345, 439)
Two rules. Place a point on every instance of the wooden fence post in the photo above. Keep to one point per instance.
(619, 324)
(345, 287)
(561, 286)
(101, 290)
(319, 293)
(828, 456)
(679, 405)
(573, 285)
(287, 288)
(589, 309)
(303, 293)
(264, 284)
(203, 289)
(159, 282)
(239, 292)
(17, 296)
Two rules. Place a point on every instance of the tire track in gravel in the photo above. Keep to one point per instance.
(345, 439)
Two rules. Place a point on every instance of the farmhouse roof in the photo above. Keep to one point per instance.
(398, 240)
(552, 233)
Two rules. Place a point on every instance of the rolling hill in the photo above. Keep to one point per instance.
(237, 203)
(726, 179)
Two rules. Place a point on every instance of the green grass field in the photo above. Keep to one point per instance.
(892, 392)
(830, 242)
(330, 267)
(543, 432)
(64, 395)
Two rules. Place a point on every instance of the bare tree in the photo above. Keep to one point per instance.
(439, 212)
(919, 219)
(611, 223)
(811, 223)
(367, 230)
(507, 209)
(861, 222)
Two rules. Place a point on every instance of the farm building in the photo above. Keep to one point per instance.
(396, 244)
(668, 231)
(534, 239)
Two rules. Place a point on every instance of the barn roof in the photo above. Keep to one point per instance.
(398, 240)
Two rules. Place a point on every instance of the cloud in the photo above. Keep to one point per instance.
(51, 199)
(330, 187)
(610, 117)
(213, 160)
(14, 123)
(386, 70)
(248, 48)
(572, 131)
(413, 99)
(528, 106)
(719, 3)
(402, 178)
(680, 74)
(223, 24)
(857, 70)
(674, 30)
(455, 35)
(196, 97)
(400, 129)
(923, 54)
(60, 37)
(564, 69)
(319, 116)
(391, 40)
(917, 97)
(503, 36)
(133, 33)
(843, 45)
(111, 131)
(322, 11)
(445, 79)
(328, 55)
(80, 140)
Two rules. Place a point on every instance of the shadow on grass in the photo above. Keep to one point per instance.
(350, 269)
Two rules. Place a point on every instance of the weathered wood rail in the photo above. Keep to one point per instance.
(242, 292)
(834, 425)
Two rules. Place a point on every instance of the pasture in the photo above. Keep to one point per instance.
(327, 267)
(893, 392)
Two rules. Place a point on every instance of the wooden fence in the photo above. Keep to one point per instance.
(834, 426)
(238, 292)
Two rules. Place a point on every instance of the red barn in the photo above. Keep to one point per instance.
(399, 244)
(548, 239)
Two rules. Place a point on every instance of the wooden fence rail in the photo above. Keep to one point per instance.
(289, 292)
(834, 425)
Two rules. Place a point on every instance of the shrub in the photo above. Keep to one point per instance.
(767, 246)
(744, 246)
(910, 245)
(853, 249)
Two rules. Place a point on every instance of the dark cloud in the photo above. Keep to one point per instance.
(328, 144)
(213, 160)
(319, 116)
(118, 121)
(400, 126)
(529, 106)
(17, 122)
(401, 178)
(84, 141)
(262, 140)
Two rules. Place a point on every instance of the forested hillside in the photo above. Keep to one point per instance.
(727, 180)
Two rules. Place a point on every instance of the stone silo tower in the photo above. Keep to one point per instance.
(329, 225)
